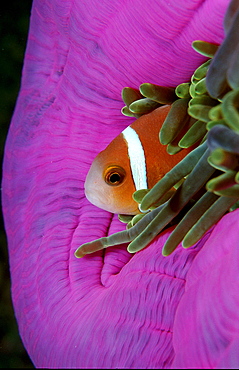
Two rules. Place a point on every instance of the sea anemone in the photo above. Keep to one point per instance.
(111, 309)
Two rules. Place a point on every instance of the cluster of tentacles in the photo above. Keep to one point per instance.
(204, 112)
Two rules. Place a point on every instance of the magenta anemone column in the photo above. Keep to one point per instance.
(112, 309)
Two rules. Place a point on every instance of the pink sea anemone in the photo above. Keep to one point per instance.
(109, 309)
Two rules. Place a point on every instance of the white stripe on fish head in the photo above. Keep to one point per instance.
(136, 157)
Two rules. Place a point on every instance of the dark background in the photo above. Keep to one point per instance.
(14, 23)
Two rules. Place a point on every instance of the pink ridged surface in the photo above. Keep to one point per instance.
(210, 303)
(112, 309)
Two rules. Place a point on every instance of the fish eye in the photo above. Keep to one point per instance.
(114, 176)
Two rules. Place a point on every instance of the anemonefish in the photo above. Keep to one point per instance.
(134, 160)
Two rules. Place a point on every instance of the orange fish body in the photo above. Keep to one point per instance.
(134, 160)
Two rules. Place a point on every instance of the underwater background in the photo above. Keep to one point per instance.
(14, 23)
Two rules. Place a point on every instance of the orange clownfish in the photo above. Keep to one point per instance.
(134, 160)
